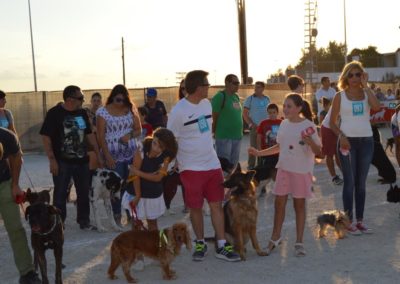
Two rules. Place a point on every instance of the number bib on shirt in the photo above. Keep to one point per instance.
(358, 108)
(203, 124)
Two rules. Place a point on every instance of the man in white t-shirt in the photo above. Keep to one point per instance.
(200, 170)
(325, 91)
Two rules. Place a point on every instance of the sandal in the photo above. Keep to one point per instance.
(274, 245)
(299, 250)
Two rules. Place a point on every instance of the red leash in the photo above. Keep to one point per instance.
(136, 220)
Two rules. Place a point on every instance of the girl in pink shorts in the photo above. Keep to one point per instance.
(297, 145)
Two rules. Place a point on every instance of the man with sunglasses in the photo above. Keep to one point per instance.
(65, 130)
(227, 120)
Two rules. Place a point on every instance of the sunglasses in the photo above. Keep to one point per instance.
(236, 83)
(81, 98)
(118, 100)
(351, 75)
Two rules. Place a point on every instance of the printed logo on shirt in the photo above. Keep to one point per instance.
(358, 108)
(203, 124)
(236, 105)
(80, 122)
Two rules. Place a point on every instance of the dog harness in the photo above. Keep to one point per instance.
(56, 218)
(164, 239)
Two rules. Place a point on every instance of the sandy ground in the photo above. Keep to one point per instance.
(356, 259)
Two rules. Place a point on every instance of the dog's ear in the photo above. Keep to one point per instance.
(53, 210)
(27, 212)
(250, 175)
(238, 168)
(171, 238)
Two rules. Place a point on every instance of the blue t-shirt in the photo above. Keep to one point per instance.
(257, 107)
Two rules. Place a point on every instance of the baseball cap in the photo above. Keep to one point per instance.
(151, 92)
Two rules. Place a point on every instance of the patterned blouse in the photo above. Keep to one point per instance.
(117, 127)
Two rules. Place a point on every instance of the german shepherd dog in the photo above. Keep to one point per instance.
(241, 211)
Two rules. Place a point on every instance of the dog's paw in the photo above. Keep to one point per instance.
(118, 228)
(101, 229)
(262, 253)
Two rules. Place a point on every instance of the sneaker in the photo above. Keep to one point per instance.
(353, 230)
(169, 212)
(226, 253)
(337, 180)
(30, 278)
(88, 227)
(363, 229)
(200, 251)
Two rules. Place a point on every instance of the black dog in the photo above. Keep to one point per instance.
(381, 161)
(265, 174)
(47, 233)
(389, 144)
(393, 194)
(37, 196)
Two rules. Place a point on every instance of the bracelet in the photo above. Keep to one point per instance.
(132, 178)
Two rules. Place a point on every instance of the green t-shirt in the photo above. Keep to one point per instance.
(229, 122)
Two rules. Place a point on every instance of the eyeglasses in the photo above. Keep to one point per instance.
(81, 98)
(118, 100)
(351, 75)
(236, 83)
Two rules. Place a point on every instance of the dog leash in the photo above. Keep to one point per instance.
(29, 177)
(137, 221)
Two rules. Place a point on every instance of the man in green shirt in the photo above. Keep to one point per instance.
(227, 120)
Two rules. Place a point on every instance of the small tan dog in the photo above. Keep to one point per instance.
(336, 219)
(161, 245)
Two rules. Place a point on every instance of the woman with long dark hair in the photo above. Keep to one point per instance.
(118, 124)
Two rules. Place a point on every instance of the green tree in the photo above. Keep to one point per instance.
(369, 56)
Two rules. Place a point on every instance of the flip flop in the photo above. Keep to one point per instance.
(299, 250)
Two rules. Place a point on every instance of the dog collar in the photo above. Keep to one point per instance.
(56, 217)
(163, 238)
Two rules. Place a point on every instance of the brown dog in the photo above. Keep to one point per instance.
(241, 211)
(47, 233)
(335, 219)
(162, 245)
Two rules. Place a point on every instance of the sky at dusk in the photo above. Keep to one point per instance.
(79, 41)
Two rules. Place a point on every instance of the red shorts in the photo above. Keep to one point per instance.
(202, 184)
(329, 141)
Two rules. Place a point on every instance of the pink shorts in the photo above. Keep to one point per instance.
(202, 184)
(329, 141)
(298, 185)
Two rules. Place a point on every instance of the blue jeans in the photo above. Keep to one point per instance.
(355, 168)
(81, 176)
(228, 149)
(122, 168)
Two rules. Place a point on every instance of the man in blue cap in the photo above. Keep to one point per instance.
(157, 116)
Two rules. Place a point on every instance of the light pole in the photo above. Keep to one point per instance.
(345, 33)
(33, 52)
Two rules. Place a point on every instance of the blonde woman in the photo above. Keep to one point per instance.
(355, 141)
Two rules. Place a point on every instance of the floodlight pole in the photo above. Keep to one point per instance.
(345, 33)
(33, 52)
